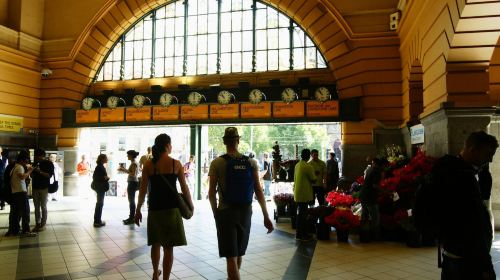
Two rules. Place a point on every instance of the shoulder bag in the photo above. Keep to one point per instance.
(184, 208)
(54, 186)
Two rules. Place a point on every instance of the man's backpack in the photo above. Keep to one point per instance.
(239, 180)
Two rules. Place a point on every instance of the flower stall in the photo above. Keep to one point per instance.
(285, 207)
(342, 218)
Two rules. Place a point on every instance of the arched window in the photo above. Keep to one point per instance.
(199, 37)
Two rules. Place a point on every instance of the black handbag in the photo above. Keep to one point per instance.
(184, 208)
(99, 186)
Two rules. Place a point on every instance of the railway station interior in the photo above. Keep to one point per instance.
(82, 78)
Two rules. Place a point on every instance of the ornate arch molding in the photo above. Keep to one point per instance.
(117, 15)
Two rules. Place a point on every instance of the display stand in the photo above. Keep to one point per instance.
(287, 211)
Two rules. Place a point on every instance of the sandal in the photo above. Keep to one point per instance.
(159, 273)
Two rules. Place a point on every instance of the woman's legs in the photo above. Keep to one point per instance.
(155, 259)
(168, 261)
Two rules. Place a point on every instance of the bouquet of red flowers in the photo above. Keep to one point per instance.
(342, 219)
(338, 199)
(283, 198)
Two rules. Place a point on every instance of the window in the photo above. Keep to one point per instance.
(199, 37)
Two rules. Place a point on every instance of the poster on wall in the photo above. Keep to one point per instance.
(11, 123)
(417, 134)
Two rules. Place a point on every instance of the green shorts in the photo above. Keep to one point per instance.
(165, 227)
(233, 230)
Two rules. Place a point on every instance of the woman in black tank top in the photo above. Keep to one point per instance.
(165, 226)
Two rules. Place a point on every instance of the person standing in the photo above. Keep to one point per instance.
(319, 167)
(132, 184)
(266, 177)
(465, 228)
(332, 173)
(145, 158)
(3, 165)
(235, 178)
(189, 168)
(84, 172)
(336, 149)
(20, 203)
(101, 180)
(165, 227)
(369, 196)
(43, 171)
(57, 175)
(303, 193)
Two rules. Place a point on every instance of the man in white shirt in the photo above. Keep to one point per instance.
(20, 203)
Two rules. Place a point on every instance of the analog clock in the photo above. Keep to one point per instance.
(139, 100)
(87, 103)
(288, 95)
(225, 97)
(166, 99)
(194, 98)
(256, 96)
(112, 102)
(322, 94)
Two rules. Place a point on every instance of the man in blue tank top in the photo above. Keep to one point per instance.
(234, 178)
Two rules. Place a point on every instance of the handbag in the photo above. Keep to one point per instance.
(99, 186)
(184, 208)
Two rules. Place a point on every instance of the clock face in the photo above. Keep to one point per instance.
(112, 102)
(166, 99)
(224, 97)
(87, 103)
(322, 94)
(288, 95)
(138, 101)
(194, 98)
(256, 96)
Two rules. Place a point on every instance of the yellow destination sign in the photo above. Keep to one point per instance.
(230, 111)
(169, 113)
(256, 111)
(199, 112)
(290, 110)
(11, 123)
(138, 114)
(91, 116)
(326, 109)
(112, 115)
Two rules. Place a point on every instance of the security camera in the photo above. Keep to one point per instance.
(46, 72)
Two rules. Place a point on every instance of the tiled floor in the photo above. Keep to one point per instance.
(70, 248)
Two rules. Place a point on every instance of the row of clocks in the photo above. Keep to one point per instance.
(288, 95)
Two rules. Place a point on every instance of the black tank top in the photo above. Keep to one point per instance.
(161, 196)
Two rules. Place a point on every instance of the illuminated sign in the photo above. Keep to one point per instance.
(199, 112)
(112, 115)
(326, 109)
(169, 113)
(256, 111)
(138, 114)
(230, 111)
(288, 110)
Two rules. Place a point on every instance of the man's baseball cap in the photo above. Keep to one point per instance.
(231, 133)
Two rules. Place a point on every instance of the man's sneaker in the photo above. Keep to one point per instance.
(36, 228)
(29, 234)
(128, 221)
(101, 224)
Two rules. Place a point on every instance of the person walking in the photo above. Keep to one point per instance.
(189, 169)
(42, 172)
(266, 177)
(132, 184)
(20, 203)
(332, 173)
(57, 175)
(235, 178)
(100, 184)
(319, 166)
(165, 228)
(303, 193)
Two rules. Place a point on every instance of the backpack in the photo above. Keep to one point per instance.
(239, 180)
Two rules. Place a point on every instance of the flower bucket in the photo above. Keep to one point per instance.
(281, 209)
(343, 236)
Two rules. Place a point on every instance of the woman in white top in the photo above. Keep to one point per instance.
(133, 184)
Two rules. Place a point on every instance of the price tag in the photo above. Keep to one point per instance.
(395, 196)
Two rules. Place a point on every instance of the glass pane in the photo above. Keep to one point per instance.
(247, 20)
(309, 42)
(191, 44)
(129, 69)
(192, 24)
(146, 68)
(272, 38)
(116, 70)
(169, 66)
(260, 39)
(272, 18)
(284, 60)
(117, 52)
(138, 32)
(225, 63)
(148, 29)
(179, 26)
(236, 5)
(148, 48)
(138, 49)
(202, 44)
(212, 23)
(129, 50)
(225, 5)
(272, 58)
(137, 69)
(169, 47)
(236, 21)
(101, 76)
(202, 24)
(247, 62)
(247, 41)
(284, 21)
(159, 67)
(213, 6)
(160, 47)
(298, 59)
(108, 71)
(191, 65)
(202, 64)
(179, 8)
(170, 10)
(212, 64)
(202, 7)
(225, 42)
(247, 4)
(178, 65)
(212, 43)
(261, 59)
(179, 46)
(311, 58)
(160, 13)
(225, 19)
(261, 6)
(321, 61)
(193, 7)
(236, 45)
(284, 35)
(260, 22)
(236, 62)
(160, 28)
(298, 38)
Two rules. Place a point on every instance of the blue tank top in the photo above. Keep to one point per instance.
(161, 196)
